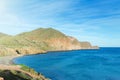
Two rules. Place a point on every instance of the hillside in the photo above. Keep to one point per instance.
(3, 35)
(39, 41)
(19, 72)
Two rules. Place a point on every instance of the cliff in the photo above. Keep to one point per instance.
(39, 41)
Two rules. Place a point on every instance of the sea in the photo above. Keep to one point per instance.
(102, 64)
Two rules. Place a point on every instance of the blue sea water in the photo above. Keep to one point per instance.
(102, 64)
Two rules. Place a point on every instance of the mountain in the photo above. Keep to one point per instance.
(40, 41)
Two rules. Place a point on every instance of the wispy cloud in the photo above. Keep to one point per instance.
(92, 20)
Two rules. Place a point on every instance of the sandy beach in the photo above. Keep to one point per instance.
(6, 63)
(7, 60)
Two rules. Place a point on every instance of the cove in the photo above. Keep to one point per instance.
(102, 64)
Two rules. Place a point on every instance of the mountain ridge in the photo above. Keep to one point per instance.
(39, 41)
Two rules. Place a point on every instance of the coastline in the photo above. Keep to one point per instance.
(6, 63)
(95, 55)
(69, 50)
(7, 60)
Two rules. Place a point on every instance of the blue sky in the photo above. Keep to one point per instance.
(96, 21)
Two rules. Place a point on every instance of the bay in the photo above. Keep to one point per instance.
(102, 64)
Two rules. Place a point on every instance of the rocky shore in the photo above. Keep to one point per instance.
(9, 71)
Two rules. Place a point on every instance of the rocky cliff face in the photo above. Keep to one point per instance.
(40, 41)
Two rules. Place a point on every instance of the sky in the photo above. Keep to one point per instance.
(96, 21)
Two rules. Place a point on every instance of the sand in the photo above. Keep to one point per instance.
(7, 60)
(6, 63)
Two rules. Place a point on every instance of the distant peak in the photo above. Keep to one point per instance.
(45, 29)
(44, 33)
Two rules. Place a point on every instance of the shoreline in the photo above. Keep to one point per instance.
(8, 60)
(6, 63)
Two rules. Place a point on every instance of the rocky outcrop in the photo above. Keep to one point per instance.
(63, 44)
(40, 41)
(18, 75)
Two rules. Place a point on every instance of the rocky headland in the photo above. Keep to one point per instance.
(34, 42)
(39, 41)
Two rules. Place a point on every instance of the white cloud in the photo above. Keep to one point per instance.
(84, 21)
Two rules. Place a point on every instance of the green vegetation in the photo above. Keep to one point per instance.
(38, 41)
(18, 75)
(15, 75)
(43, 33)
(3, 35)
(28, 69)
(34, 38)
(21, 74)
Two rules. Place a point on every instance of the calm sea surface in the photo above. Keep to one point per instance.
(103, 64)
